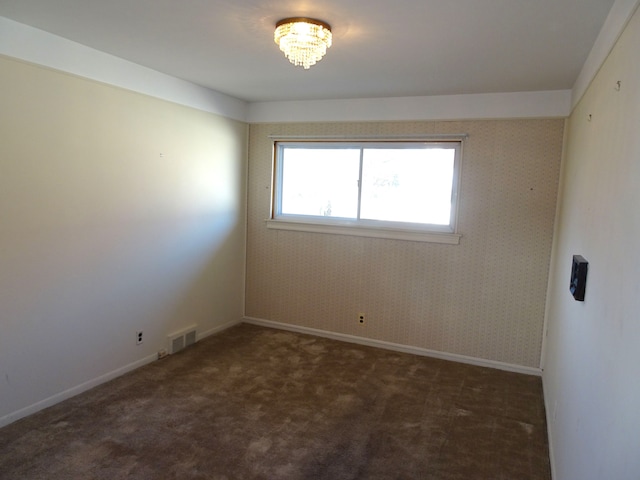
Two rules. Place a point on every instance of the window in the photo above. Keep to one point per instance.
(394, 189)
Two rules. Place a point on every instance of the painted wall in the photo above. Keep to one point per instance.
(484, 298)
(118, 212)
(592, 368)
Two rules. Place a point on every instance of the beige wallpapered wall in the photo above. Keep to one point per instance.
(483, 298)
(591, 381)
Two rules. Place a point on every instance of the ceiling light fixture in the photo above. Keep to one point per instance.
(304, 41)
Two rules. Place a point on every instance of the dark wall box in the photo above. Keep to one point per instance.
(578, 283)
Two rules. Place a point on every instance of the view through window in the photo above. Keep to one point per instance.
(411, 185)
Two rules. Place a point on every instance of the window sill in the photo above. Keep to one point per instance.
(366, 231)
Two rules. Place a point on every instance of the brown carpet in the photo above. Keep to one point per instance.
(258, 403)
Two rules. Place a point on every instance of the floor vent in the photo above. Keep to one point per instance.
(190, 338)
(182, 339)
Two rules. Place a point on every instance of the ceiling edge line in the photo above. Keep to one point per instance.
(45, 49)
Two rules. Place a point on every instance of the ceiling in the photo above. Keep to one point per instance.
(380, 48)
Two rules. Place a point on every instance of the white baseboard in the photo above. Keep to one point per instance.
(424, 352)
(218, 329)
(72, 392)
(549, 416)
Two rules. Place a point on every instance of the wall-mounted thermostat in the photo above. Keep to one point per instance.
(578, 283)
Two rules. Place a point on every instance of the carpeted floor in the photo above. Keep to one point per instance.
(258, 403)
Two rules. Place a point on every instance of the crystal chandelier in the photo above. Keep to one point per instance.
(304, 41)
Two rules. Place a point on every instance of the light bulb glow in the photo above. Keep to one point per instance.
(304, 41)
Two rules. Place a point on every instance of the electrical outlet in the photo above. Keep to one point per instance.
(138, 337)
(361, 318)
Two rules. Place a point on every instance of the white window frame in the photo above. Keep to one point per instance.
(366, 228)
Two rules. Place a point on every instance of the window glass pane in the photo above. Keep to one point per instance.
(320, 181)
(407, 185)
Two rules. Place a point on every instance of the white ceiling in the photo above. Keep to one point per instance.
(380, 49)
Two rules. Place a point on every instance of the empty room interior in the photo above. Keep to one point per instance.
(215, 260)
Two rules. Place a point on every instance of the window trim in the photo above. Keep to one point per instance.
(362, 231)
(446, 234)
